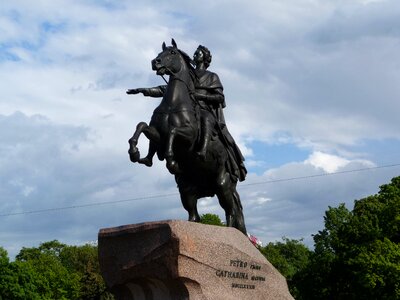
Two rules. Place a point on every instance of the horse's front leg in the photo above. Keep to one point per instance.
(179, 126)
(185, 134)
(154, 137)
(154, 140)
(172, 164)
(133, 151)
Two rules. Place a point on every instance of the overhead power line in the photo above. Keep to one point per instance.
(176, 194)
(86, 205)
(321, 175)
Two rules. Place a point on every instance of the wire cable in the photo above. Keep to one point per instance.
(86, 205)
(320, 175)
(176, 194)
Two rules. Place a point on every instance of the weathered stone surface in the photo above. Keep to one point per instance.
(185, 260)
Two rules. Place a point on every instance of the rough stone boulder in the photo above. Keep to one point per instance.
(185, 260)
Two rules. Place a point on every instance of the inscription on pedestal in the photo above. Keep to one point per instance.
(239, 271)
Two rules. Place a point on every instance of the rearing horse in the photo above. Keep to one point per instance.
(173, 133)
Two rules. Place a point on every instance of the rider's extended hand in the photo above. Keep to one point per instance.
(144, 91)
(132, 91)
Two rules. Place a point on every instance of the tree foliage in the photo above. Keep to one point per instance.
(211, 219)
(357, 254)
(52, 271)
(290, 257)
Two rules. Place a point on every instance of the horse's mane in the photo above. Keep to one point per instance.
(189, 63)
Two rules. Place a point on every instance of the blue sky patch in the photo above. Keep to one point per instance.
(274, 155)
(381, 152)
(14, 15)
(7, 55)
(108, 4)
(53, 27)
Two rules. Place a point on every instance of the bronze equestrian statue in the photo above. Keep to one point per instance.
(188, 130)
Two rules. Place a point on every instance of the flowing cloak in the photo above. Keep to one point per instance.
(209, 84)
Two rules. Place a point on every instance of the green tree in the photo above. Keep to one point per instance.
(211, 219)
(290, 257)
(4, 260)
(357, 255)
(53, 280)
(84, 261)
(52, 271)
(17, 280)
(51, 248)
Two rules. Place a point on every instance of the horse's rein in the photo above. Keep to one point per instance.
(164, 79)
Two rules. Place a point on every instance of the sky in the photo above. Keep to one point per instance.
(312, 87)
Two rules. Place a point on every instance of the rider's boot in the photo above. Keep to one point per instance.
(205, 139)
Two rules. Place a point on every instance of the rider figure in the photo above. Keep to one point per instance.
(209, 94)
(210, 97)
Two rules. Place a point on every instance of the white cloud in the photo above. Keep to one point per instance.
(329, 163)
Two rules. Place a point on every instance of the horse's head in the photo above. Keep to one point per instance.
(171, 60)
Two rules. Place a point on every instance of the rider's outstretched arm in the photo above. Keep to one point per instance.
(155, 92)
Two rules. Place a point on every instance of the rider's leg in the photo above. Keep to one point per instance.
(206, 131)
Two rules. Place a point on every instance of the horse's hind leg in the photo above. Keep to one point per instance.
(189, 202)
(230, 201)
(239, 220)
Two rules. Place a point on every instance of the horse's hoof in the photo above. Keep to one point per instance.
(194, 219)
(146, 161)
(134, 155)
(230, 221)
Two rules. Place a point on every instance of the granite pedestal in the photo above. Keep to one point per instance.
(184, 260)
